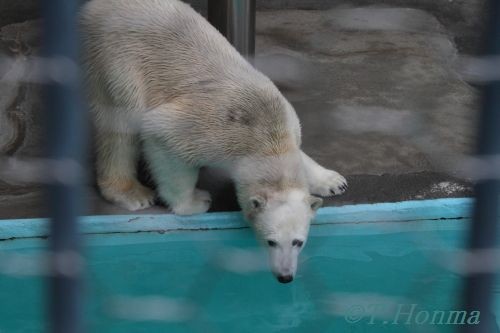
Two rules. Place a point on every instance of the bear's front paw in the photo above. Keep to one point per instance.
(129, 194)
(198, 203)
(328, 183)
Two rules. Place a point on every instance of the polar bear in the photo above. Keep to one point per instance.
(160, 76)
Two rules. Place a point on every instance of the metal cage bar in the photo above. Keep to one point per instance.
(479, 286)
(65, 125)
(235, 19)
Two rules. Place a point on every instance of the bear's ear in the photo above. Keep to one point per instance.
(257, 203)
(315, 202)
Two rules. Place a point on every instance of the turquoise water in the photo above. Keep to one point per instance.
(352, 278)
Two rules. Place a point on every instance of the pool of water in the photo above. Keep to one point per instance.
(353, 277)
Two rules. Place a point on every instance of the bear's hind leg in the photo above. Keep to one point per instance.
(117, 154)
(175, 180)
(322, 181)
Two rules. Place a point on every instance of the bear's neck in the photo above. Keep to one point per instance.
(259, 175)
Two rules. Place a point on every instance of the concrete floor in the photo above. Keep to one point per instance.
(379, 99)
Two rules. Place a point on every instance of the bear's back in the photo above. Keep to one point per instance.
(155, 52)
(165, 45)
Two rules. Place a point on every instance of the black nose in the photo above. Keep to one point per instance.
(285, 278)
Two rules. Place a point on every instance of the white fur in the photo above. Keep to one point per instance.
(283, 222)
(323, 182)
(158, 72)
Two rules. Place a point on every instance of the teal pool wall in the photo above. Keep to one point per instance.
(360, 264)
(421, 210)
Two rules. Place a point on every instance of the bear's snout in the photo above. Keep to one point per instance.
(285, 278)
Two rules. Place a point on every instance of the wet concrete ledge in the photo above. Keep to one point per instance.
(363, 189)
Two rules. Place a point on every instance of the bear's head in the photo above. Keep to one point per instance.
(281, 220)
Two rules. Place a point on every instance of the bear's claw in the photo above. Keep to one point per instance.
(329, 183)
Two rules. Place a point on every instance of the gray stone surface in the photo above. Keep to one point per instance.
(20, 102)
(375, 89)
(464, 20)
(12, 11)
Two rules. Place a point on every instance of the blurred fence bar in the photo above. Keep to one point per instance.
(479, 286)
(65, 124)
(235, 19)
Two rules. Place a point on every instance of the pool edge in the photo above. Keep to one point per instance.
(414, 210)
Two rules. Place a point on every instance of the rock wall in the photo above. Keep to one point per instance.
(20, 103)
(338, 55)
(464, 21)
(18, 11)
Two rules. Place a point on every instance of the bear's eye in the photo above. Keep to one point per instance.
(271, 243)
(297, 243)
